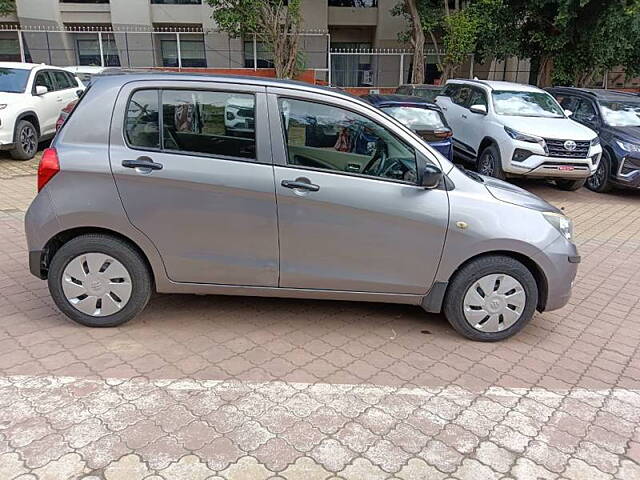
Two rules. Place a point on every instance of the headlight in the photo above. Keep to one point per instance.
(523, 137)
(561, 223)
(595, 141)
(629, 147)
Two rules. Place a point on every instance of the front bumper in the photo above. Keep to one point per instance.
(540, 165)
(628, 174)
(559, 262)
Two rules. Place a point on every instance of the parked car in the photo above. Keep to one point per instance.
(428, 92)
(31, 97)
(510, 129)
(86, 72)
(126, 206)
(615, 116)
(421, 116)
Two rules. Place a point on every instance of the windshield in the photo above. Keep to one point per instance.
(621, 114)
(416, 118)
(526, 104)
(427, 93)
(13, 80)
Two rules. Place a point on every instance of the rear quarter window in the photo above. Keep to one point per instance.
(142, 127)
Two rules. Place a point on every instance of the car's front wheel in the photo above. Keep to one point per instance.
(599, 181)
(25, 141)
(490, 163)
(99, 281)
(491, 298)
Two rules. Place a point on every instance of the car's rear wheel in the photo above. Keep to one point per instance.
(491, 298)
(99, 281)
(599, 181)
(490, 163)
(25, 141)
(570, 185)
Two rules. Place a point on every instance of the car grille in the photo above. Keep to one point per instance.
(556, 148)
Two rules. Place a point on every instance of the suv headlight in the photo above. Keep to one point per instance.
(595, 141)
(561, 223)
(628, 146)
(524, 137)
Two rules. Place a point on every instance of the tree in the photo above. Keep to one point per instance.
(417, 41)
(7, 7)
(456, 32)
(276, 23)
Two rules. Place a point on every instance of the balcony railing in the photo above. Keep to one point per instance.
(353, 3)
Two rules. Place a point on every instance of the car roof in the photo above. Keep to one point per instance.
(20, 65)
(123, 77)
(498, 85)
(426, 86)
(599, 93)
(396, 99)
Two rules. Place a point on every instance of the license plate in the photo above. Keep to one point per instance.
(566, 168)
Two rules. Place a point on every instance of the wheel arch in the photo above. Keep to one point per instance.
(60, 238)
(486, 141)
(528, 262)
(30, 116)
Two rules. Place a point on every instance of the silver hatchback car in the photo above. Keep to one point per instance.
(250, 186)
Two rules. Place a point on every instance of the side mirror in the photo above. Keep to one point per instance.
(480, 109)
(41, 90)
(79, 93)
(568, 113)
(430, 176)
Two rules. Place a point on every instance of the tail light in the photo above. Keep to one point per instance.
(444, 133)
(48, 167)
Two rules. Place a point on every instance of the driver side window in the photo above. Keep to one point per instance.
(330, 138)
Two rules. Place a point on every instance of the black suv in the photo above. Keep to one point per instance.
(615, 116)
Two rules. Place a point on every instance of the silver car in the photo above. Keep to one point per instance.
(324, 197)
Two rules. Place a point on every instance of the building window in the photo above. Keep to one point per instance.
(9, 50)
(264, 55)
(84, 1)
(192, 53)
(89, 50)
(349, 69)
(353, 3)
(176, 2)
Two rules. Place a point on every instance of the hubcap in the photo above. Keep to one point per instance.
(494, 303)
(96, 284)
(28, 140)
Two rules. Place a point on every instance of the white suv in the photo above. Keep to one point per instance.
(31, 98)
(510, 129)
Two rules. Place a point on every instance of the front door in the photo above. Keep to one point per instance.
(351, 216)
(193, 168)
(48, 104)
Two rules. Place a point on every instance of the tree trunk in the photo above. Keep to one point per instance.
(417, 40)
(545, 71)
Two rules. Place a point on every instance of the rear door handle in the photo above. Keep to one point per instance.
(294, 184)
(142, 162)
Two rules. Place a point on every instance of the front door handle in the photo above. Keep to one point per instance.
(463, 116)
(295, 184)
(142, 162)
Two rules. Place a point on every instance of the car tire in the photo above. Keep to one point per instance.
(490, 163)
(599, 181)
(78, 279)
(570, 185)
(25, 141)
(510, 299)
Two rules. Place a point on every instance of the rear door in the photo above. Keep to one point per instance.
(202, 193)
(351, 216)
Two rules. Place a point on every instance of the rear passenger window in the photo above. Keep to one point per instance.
(61, 79)
(72, 80)
(141, 122)
(213, 123)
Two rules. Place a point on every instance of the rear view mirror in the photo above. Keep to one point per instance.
(430, 176)
(481, 109)
(41, 90)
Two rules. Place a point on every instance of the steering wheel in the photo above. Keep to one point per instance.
(381, 153)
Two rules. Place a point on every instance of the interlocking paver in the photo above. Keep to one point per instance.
(231, 388)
